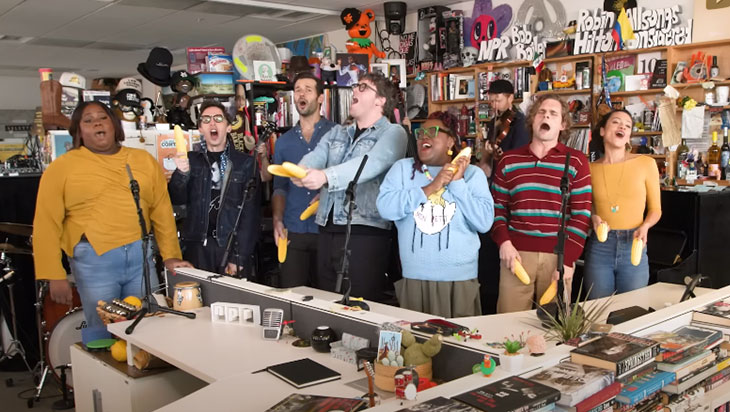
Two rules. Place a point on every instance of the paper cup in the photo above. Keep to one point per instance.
(722, 94)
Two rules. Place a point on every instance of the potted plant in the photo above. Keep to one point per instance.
(567, 324)
(512, 359)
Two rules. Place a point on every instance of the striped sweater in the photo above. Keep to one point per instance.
(526, 192)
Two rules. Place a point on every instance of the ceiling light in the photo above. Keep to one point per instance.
(281, 6)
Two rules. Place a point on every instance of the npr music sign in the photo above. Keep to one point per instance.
(519, 38)
(652, 28)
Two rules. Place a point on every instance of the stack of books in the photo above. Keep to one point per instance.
(582, 387)
(511, 394)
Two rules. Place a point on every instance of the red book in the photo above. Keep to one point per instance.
(605, 394)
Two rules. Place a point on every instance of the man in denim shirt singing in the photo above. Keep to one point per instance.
(289, 201)
(331, 167)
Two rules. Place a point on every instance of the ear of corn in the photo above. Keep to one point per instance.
(465, 152)
(636, 251)
(602, 232)
(181, 145)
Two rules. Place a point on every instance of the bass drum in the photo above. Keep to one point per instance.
(66, 332)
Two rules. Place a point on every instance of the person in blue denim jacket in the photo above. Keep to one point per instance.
(331, 167)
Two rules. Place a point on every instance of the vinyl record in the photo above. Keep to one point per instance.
(253, 47)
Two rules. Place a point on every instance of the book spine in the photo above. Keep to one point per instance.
(633, 361)
(602, 407)
(604, 395)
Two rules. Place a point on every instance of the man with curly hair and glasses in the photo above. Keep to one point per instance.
(332, 165)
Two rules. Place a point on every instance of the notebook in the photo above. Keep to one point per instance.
(303, 372)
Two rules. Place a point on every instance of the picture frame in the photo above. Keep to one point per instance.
(264, 70)
(61, 142)
(397, 68)
(464, 87)
(349, 67)
(380, 68)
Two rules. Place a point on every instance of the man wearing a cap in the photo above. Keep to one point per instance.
(332, 165)
(289, 201)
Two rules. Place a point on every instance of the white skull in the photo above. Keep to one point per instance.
(469, 55)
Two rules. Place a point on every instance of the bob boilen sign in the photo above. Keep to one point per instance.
(652, 28)
(518, 42)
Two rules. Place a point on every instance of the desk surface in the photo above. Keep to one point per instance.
(225, 355)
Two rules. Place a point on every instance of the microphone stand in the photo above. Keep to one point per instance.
(149, 304)
(344, 271)
(250, 188)
(560, 246)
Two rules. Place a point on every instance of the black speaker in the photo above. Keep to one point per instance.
(395, 16)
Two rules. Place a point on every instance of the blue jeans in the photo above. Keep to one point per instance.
(115, 274)
(608, 265)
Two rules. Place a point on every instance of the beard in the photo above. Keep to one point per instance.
(309, 109)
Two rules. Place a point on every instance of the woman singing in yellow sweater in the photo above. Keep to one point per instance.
(624, 185)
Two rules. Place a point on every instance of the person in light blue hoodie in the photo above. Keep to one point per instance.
(438, 208)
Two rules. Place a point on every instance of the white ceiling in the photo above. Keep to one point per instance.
(108, 38)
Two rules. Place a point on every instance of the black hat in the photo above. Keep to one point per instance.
(128, 97)
(157, 67)
(501, 86)
(299, 64)
(350, 16)
(181, 82)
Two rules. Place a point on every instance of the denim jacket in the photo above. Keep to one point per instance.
(340, 157)
(193, 190)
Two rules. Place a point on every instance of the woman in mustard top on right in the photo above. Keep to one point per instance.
(624, 186)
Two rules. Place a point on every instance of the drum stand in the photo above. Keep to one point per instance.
(15, 347)
(42, 369)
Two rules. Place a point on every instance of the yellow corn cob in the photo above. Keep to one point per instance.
(520, 272)
(636, 250)
(309, 211)
(465, 152)
(181, 145)
(550, 293)
(282, 247)
(602, 232)
(278, 170)
(294, 170)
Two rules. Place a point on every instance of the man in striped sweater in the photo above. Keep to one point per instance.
(526, 192)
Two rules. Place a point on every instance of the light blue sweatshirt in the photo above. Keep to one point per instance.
(438, 238)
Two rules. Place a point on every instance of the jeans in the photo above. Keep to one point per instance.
(608, 265)
(115, 274)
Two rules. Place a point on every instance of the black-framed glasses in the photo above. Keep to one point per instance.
(207, 118)
(430, 132)
(363, 86)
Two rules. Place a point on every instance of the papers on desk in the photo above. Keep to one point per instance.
(303, 372)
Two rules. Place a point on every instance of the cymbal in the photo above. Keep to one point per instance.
(16, 228)
(8, 248)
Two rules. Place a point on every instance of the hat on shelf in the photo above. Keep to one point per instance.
(129, 83)
(157, 67)
(127, 97)
(69, 79)
(181, 82)
(299, 64)
(501, 86)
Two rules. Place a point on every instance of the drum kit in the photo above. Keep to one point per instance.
(59, 326)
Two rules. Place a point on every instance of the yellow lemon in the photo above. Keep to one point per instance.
(133, 300)
(119, 351)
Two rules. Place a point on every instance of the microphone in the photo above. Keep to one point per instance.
(566, 172)
(351, 186)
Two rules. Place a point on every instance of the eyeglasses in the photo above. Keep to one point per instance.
(363, 86)
(431, 132)
(207, 118)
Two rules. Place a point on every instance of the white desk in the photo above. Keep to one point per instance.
(225, 355)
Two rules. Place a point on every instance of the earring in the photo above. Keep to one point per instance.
(450, 152)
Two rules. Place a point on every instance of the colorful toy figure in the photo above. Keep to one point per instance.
(357, 24)
(487, 366)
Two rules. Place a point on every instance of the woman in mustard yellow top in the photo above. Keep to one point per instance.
(85, 208)
(624, 186)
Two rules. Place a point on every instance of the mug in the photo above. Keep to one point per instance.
(722, 94)
(187, 296)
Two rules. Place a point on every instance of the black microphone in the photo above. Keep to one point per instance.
(566, 172)
(351, 186)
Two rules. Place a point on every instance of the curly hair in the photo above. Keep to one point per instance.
(384, 88)
(75, 128)
(567, 122)
(450, 121)
(596, 144)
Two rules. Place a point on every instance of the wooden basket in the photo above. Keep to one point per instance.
(384, 375)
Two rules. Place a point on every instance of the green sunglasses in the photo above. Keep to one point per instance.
(431, 132)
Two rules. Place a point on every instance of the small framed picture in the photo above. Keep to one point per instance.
(61, 142)
(264, 70)
(381, 68)
(350, 66)
(397, 71)
(464, 87)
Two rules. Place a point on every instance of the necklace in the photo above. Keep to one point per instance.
(614, 205)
